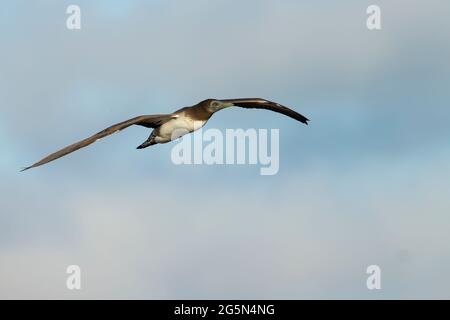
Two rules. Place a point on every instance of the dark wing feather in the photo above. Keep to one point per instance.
(257, 103)
(146, 121)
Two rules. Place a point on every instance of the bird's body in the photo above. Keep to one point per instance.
(168, 127)
(183, 124)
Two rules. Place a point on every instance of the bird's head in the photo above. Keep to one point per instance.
(215, 105)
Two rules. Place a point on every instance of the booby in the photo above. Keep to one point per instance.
(183, 121)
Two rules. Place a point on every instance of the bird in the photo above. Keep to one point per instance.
(168, 127)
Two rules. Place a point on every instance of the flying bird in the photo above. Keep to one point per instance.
(168, 127)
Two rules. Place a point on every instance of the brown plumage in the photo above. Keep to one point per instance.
(145, 121)
(188, 119)
(256, 103)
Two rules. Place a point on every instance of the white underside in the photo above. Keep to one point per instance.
(176, 128)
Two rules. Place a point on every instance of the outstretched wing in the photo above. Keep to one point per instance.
(146, 121)
(257, 103)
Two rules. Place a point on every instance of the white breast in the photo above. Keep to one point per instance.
(178, 127)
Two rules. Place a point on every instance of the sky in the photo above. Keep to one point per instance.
(366, 183)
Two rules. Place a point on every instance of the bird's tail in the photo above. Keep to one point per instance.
(149, 142)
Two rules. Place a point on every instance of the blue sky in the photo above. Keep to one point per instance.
(365, 183)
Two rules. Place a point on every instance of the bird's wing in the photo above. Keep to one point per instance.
(257, 103)
(146, 121)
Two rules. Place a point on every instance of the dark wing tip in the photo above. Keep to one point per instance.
(26, 168)
(301, 118)
(259, 103)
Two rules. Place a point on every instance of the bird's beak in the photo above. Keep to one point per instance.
(226, 104)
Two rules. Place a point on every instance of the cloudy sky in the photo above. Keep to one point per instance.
(366, 183)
